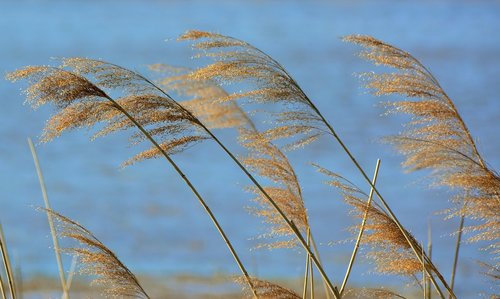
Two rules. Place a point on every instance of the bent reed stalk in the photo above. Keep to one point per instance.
(288, 222)
(92, 90)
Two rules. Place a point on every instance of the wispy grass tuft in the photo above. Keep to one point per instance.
(97, 260)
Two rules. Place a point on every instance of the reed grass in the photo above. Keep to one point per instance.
(436, 139)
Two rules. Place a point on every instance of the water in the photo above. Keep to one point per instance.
(147, 215)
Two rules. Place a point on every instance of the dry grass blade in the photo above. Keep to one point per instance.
(97, 260)
(237, 61)
(387, 246)
(436, 138)
(269, 290)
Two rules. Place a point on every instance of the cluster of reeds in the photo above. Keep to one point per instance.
(83, 93)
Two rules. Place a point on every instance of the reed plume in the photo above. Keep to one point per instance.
(97, 260)
(436, 138)
(268, 290)
(269, 162)
(237, 61)
(385, 244)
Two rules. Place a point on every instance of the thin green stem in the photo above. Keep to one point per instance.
(361, 230)
(55, 241)
(7, 266)
(457, 250)
(194, 190)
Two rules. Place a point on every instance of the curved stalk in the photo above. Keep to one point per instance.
(361, 230)
(289, 223)
(193, 189)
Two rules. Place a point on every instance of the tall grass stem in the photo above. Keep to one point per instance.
(55, 241)
(361, 230)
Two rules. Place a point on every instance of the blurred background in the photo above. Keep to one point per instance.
(146, 214)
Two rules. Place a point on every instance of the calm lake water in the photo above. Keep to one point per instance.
(148, 216)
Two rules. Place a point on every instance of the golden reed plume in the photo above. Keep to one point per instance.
(436, 138)
(116, 280)
(81, 103)
(238, 61)
(269, 162)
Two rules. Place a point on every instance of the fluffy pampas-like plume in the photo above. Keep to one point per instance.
(99, 261)
(436, 138)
